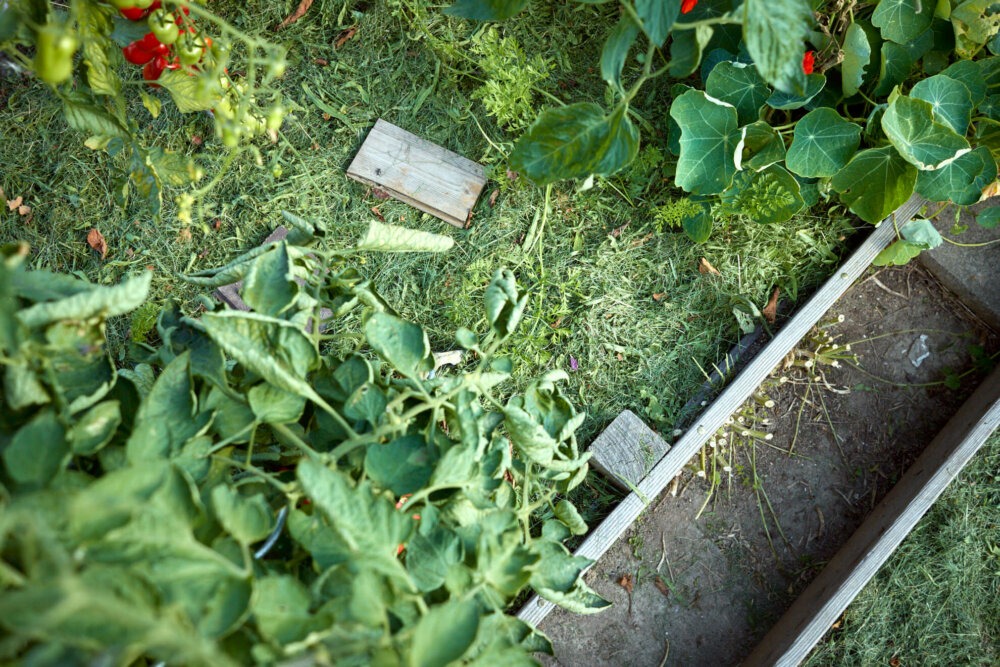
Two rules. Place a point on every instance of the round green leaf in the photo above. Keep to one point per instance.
(280, 606)
(897, 254)
(759, 146)
(875, 183)
(271, 405)
(740, 85)
(950, 100)
(686, 47)
(971, 75)
(768, 196)
(989, 218)
(708, 140)
(857, 56)
(401, 343)
(823, 143)
(486, 10)
(902, 20)
(961, 181)
(813, 85)
(922, 141)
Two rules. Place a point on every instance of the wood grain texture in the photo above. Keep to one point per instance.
(826, 598)
(602, 537)
(627, 450)
(418, 172)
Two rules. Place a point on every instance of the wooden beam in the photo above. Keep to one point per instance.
(826, 598)
(425, 175)
(739, 390)
(627, 450)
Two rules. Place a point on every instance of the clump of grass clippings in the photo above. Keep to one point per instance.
(935, 602)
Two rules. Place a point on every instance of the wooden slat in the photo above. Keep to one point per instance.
(425, 175)
(627, 450)
(826, 598)
(739, 390)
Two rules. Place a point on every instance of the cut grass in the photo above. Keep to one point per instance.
(935, 601)
(592, 276)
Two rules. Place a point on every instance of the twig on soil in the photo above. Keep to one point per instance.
(666, 652)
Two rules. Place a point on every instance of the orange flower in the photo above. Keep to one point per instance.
(688, 5)
(809, 62)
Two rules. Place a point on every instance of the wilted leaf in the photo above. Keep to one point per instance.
(770, 311)
(344, 36)
(299, 12)
(96, 241)
(14, 203)
(705, 267)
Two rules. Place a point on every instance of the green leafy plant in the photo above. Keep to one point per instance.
(182, 47)
(508, 89)
(246, 495)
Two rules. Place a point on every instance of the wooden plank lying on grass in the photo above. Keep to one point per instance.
(826, 598)
(425, 175)
(739, 390)
(627, 450)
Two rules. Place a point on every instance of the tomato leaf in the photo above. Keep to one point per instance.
(775, 32)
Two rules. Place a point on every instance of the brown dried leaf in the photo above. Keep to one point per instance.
(322, 62)
(658, 296)
(894, 661)
(493, 198)
(661, 586)
(512, 175)
(991, 190)
(771, 309)
(96, 241)
(378, 213)
(626, 583)
(380, 194)
(344, 36)
(617, 231)
(299, 12)
(643, 241)
(23, 210)
(705, 267)
(326, 116)
(14, 203)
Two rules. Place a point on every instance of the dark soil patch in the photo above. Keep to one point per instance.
(706, 589)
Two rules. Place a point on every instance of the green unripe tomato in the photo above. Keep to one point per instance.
(54, 49)
(123, 4)
(190, 48)
(142, 4)
(275, 117)
(163, 26)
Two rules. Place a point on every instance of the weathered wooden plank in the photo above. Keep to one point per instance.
(826, 598)
(739, 390)
(627, 450)
(418, 172)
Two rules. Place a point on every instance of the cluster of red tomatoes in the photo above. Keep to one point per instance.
(172, 42)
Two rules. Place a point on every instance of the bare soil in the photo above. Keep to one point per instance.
(706, 588)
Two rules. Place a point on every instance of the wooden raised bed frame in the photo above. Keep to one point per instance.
(818, 607)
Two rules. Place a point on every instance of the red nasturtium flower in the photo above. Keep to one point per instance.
(809, 62)
(688, 5)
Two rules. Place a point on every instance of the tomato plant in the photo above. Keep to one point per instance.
(176, 45)
(259, 488)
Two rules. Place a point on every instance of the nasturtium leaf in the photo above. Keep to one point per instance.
(961, 181)
(686, 47)
(708, 140)
(271, 405)
(94, 429)
(775, 32)
(268, 286)
(37, 451)
(990, 68)
(657, 17)
(990, 107)
(975, 23)
(740, 85)
(616, 48)
(698, 227)
(445, 633)
(970, 74)
(989, 218)
(430, 557)
(759, 146)
(97, 301)
(902, 20)
(401, 343)
(897, 60)
(920, 139)
(573, 141)
(486, 10)
(857, 56)
(875, 183)
(898, 253)
(768, 196)
(381, 237)
(247, 518)
(403, 466)
(988, 135)
(823, 143)
(923, 233)
(950, 100)
(813, 85)
(366, 402)
(280, 607)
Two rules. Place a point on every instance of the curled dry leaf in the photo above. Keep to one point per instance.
(704, 266)
(493, 198)
(661, 586)
(14, 203)
(344, 36)
(378, 213)
(658, 296)
(96, 241)
(24, 210)
(991, 190)
(299, 12)
(770, 311)
(617, 231)
(626, 582)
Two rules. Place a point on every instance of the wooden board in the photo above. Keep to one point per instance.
(627, 450)
(826, 598)
(739, 390)
(422, 174)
